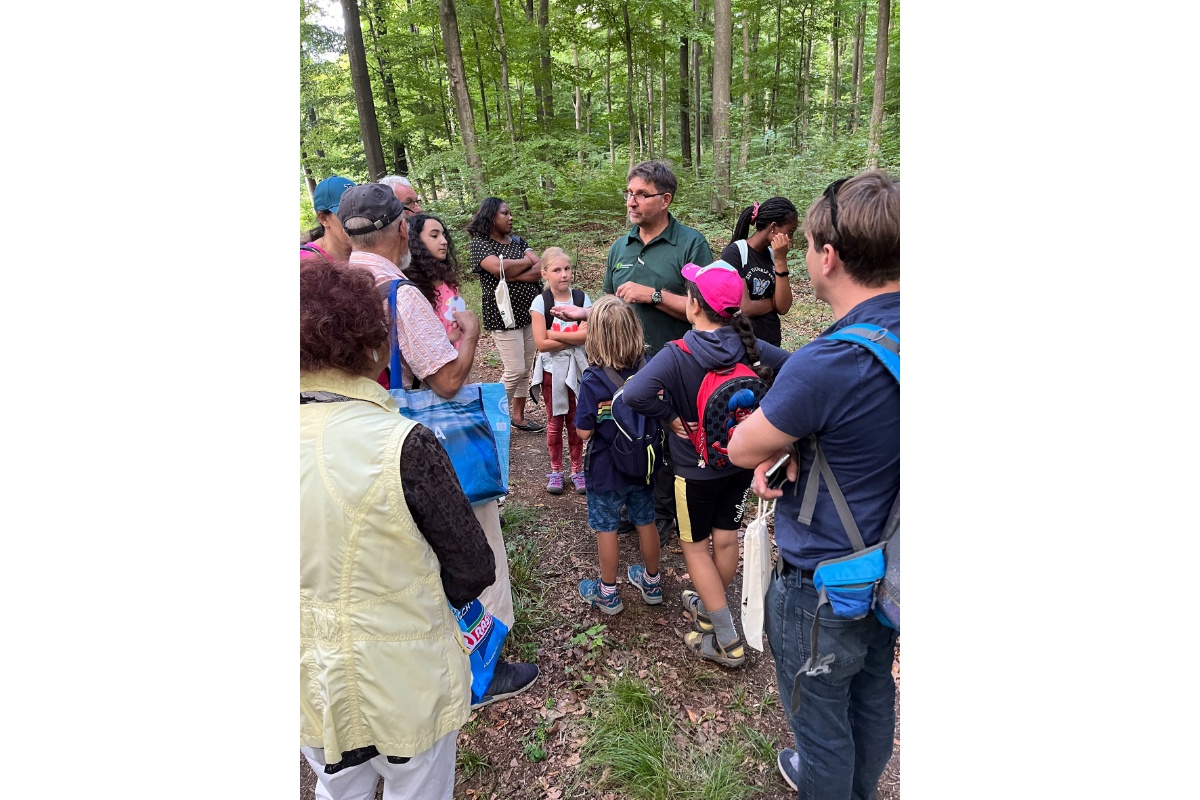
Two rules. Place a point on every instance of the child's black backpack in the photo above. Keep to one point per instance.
(637, 447)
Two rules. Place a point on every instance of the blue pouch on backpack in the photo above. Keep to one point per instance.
(849, 582)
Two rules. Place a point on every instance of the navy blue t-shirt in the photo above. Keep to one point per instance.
(593, 412)
(842, 393)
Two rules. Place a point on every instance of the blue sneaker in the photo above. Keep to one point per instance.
(589, 590)
(788, 762)
(651, 594)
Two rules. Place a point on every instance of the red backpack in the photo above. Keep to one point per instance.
(725, 398)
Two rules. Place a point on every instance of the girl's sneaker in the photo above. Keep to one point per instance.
(580, 483)
(555, 483)
(589, 590)
(652, 594)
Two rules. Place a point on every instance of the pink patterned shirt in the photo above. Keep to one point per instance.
(424, 346)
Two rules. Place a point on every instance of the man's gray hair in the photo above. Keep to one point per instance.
(657, 172)
(393, 180)
(365, 241)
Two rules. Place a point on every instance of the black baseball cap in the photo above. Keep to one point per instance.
(374, 201)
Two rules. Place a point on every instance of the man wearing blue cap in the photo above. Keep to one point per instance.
(328, 238)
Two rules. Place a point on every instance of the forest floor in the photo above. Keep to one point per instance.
(687, 727)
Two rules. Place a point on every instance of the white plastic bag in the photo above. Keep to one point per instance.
(756, 574)
(503, 303)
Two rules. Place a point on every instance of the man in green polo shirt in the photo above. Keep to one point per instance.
(645, 265)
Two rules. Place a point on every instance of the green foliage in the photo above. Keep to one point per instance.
(633, 736)
(561, 178)
(535, 743)
(471, 765)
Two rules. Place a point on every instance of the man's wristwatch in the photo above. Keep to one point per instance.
(656, 298)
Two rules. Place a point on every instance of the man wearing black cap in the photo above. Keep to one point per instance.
(374, 222)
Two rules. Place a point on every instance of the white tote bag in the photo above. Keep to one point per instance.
(503, 303)
(756, 574)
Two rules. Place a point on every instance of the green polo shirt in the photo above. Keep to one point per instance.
(658, 264)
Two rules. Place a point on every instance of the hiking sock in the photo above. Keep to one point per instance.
(723, 626)
(651, 580)
(607, 589)
(700, 609)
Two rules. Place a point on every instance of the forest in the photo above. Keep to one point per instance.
(547, 104)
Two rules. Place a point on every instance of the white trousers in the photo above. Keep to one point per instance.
(427, 776)
(496, 598)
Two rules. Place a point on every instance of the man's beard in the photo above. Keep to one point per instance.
(405, 260)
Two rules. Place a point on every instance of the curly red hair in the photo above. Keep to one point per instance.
(341, 317)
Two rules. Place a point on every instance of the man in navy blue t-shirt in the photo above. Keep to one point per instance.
(843, 720)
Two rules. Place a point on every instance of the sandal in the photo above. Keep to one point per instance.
(691, 604)
(706, 645)
(531, 425)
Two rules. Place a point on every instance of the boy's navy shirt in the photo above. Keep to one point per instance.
(842, 393)
(593, 402)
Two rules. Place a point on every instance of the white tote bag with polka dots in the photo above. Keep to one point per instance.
(503, 303)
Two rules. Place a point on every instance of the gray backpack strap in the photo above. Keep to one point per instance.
(821, 469)
(743, 251)
(615, 377)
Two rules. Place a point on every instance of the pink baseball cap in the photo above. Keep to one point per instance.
(720, 285)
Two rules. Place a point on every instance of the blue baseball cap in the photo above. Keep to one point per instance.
(328, 193)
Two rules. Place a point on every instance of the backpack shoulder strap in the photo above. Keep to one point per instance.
(547, 304)
(743, 251)
(681, 344)
(615, 377)
(577, 297)
(882, 343)
(309, 248)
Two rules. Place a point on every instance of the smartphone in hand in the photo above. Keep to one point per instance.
(777, 475)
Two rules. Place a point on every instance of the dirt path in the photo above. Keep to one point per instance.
(505, 740)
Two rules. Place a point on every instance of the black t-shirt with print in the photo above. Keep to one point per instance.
(759, 275)
(520, 293)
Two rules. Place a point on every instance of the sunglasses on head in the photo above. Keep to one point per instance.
(831, 193)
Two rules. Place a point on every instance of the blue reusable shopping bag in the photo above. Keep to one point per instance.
(483, 639)
(468, 425)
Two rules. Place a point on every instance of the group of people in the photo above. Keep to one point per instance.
(671, 317)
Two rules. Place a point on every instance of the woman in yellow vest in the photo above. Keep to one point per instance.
(388, 543)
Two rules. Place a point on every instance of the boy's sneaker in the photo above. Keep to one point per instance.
(580, 483)
(789, 767)
(510, 679)
(652, 594)
(555, 483)
(589, 590)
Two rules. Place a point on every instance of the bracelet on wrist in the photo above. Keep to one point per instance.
(782, 274)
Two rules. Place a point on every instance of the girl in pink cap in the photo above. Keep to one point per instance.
(709, 490)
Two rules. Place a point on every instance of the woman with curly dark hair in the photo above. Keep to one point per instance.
(388, 543)
(495, 249)
(434, 269)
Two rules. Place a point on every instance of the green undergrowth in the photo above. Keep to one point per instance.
(635, 738)
(521, 525)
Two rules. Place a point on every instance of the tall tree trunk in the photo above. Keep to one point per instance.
(312, 120)
(487, 120)
(881, 57)
(722, 78)
(804, 120)
(629, 78)
(462, 98)
(833, 108)
(860, 26)
(578, 100)
(368, 124)
(508, 115)
(612, 144)
(778, 47)
(650, 110)
(442, 93)
(309, 180)
(537, 75)
(699, 110)
(547, 63)
(747, 121)
(685, 120)
(378, 27)
(662, 92)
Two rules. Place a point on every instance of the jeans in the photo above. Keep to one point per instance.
(845, 720)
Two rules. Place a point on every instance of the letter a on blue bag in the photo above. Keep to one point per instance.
(483, 638)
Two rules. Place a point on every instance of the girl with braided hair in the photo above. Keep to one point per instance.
(760, 257)
(709, 495)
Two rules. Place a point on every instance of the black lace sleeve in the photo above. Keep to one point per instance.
(444, 516)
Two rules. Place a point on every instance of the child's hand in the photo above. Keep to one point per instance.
(780, 242)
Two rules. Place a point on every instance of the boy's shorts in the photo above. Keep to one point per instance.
(604, 508)
(703, 505)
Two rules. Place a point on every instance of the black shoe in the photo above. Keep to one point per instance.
(510, 679)
(665, 528)
(625, 526)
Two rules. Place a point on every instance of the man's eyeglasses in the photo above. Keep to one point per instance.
(640, 196)
(831, 193)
